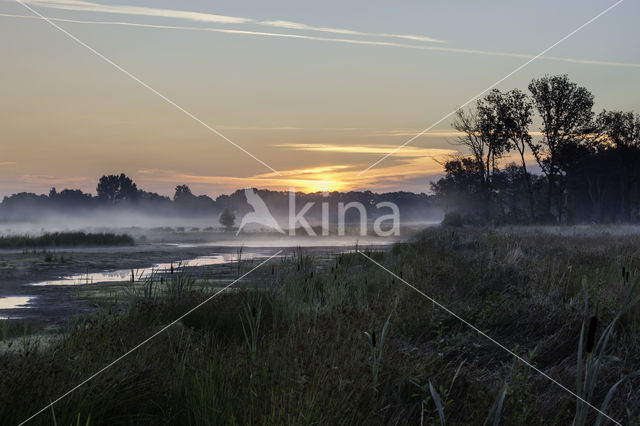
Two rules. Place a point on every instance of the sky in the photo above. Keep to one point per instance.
(230, 94)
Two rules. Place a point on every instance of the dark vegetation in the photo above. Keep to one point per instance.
(65, 239)
(337, 340)
(589, 162)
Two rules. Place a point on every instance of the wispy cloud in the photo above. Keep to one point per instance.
(7, 163)
(305, 27)
(84, 6)
(259, 128)
(337, 40)
(412, 132)
(415, 163)
(431, 134)
(414, 167)
(52, 180)
(413, 151)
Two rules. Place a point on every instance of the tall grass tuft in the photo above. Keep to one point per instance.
(179, 286)
(252, 316)
(588, 366)
(377, 348)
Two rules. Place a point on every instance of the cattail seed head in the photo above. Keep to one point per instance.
(253, 312)
(373, 339)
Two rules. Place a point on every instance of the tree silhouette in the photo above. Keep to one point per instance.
(183, 193)
(227, 218)
(566, 112)
(514, 112)
(589, 167)
(115, 188)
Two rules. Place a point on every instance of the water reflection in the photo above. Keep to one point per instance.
(139, 274)
(13, 302)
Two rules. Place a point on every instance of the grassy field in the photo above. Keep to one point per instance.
(338, 340)
(65, 239)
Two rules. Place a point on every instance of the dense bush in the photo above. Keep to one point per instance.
(452, 218)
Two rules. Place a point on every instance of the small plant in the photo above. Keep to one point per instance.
(376, 350)
(440, 403)
(496, 408)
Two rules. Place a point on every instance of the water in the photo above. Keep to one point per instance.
(26, 302)
(139, 274)
(306, 242)
(14, 302)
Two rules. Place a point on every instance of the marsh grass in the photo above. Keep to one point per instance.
(301, 358)
(252, 315)
(377, 349)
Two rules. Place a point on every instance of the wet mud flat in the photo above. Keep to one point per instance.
(23, 272)
(46, 298)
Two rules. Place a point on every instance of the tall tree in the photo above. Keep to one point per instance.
(566, 113)
(619, 132)
(183, 193)
(492, 130)
(514, 111)
(484, 134)
(114, 188)
(466, 122)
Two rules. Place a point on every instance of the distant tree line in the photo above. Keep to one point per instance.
(65, 239)
(112, 192)
(589, 164)
(120, 193)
